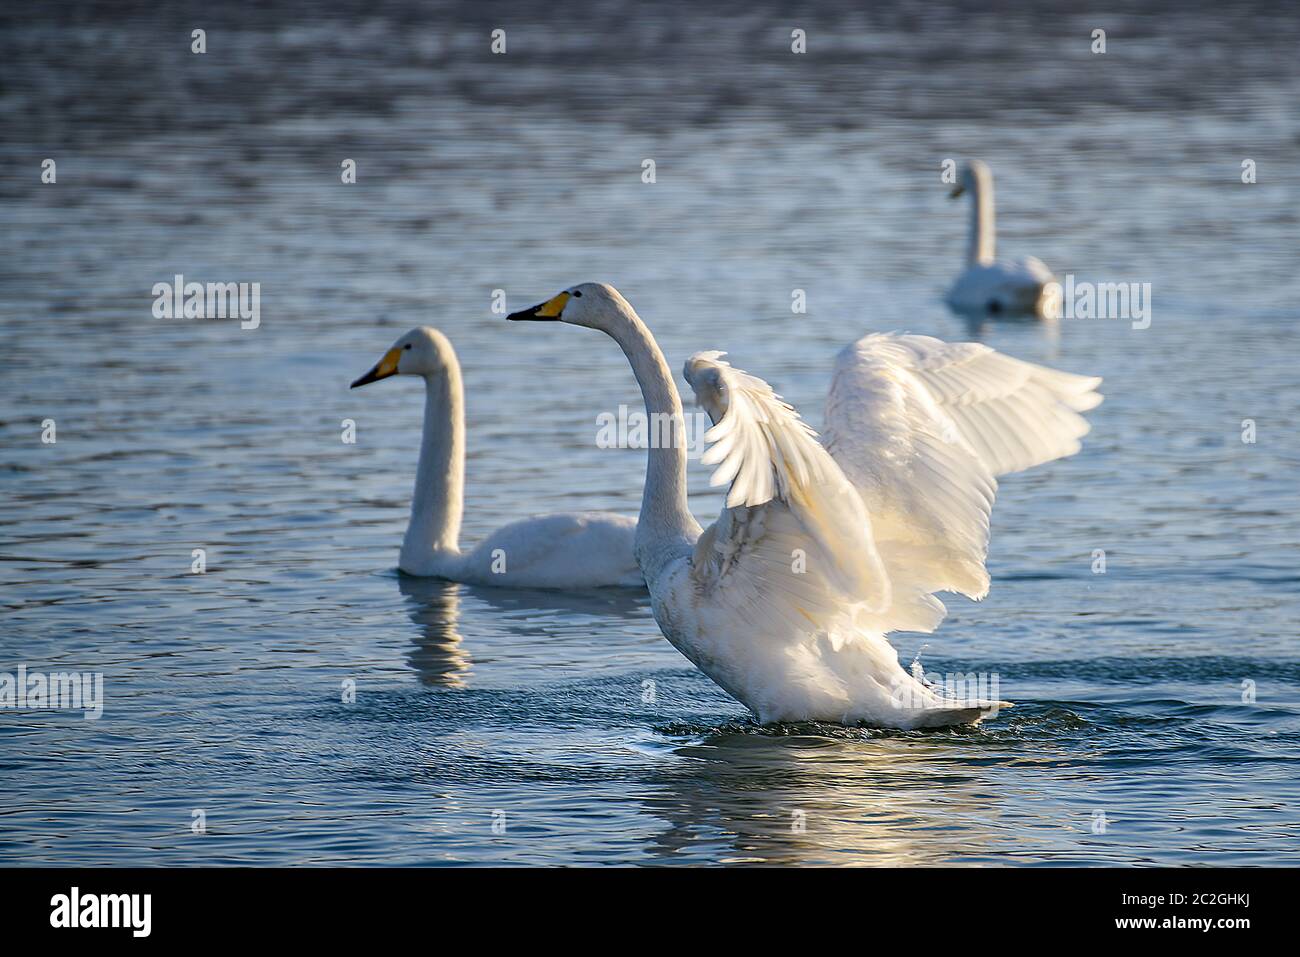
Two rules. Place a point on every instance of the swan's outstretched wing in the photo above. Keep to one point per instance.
(793, 544)
(923, 428)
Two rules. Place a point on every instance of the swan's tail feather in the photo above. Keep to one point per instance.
(963, 699)
(965, 713)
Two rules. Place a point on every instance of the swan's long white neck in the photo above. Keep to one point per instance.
(980, 244)
(434, 530)
(666, 521)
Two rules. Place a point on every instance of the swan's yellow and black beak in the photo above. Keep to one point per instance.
(383, 368)
(550, 310)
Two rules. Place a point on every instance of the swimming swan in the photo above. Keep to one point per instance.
(987, 286)
(823, 548)
(566, 550)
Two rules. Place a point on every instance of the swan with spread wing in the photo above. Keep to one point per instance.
(823, 548)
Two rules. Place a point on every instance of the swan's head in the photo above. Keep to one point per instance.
(424, 351)
(596, 305)
(973, 172)
(706, 379)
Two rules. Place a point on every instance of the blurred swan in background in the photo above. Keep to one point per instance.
(987, 286)
(562, 550)
(822, 549)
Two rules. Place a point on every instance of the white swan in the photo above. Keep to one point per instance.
(566, 550)
(988, 286)
(823, 549)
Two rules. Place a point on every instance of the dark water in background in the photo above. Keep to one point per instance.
(522, 172)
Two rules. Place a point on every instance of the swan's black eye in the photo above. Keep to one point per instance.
(577, 294)
(407, 346)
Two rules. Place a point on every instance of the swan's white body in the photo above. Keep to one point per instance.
(988, 286)
(564, 550)
(822, 550)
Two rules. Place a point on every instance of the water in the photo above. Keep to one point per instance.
(523, 173)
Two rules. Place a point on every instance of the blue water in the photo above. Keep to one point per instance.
(528, 711)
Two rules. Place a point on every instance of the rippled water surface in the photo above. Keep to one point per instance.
(523, 173)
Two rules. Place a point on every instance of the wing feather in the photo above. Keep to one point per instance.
(923, 428)
(794, 540)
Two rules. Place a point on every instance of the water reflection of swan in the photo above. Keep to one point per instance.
(976, 327)
(439, 655)
(817, 800)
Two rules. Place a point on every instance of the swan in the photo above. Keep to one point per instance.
(822, 548)
(565, 550)
(988, 286)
